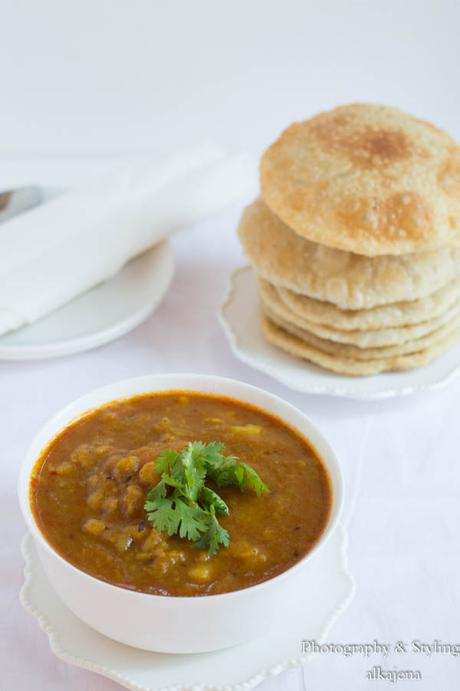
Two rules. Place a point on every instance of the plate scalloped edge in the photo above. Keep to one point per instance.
(319, 389)
(66, 656)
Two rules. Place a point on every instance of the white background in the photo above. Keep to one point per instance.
(112, 78)
(134, 76)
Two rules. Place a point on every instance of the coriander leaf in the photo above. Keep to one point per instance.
(238, 471)
(215, 460)
(163, 516)
(211, 498)
(193, 520)
(239, 474)
(165, 461)
(214, 536)
(174, 515)
(155, 496)
(251, 480)
(222, 470)
(172, 482)
(214, 452)
(193, 460)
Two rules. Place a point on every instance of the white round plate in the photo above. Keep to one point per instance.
(327, 591)
(100, 315)
(240, 318)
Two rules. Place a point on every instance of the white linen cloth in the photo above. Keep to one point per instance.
(399, 459)
(56, 251)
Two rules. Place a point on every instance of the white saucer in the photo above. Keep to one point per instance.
(328, 590)
(104, 313)
(240, 318)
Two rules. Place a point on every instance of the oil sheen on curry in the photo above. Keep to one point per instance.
(89, 488)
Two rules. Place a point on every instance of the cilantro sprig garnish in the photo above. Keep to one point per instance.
(182, 504)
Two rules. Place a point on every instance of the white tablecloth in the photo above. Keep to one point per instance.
(402, 513)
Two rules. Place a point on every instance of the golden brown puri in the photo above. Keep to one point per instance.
(348, 280)
(367, 179)
(350, 366)
(387, 316)
(355, 352)
(361, 338)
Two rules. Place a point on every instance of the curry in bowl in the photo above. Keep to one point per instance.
(180, 493)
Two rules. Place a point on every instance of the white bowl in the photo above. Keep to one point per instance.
(177, 624)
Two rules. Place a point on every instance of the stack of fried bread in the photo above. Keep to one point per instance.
(356, 240)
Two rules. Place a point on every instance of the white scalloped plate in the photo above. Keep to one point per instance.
(328, 590)
(240, 318)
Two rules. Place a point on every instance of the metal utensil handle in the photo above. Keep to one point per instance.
(13, 202)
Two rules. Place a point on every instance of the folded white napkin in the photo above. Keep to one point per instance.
(55, 252)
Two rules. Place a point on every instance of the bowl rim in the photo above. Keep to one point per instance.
(180, 382)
